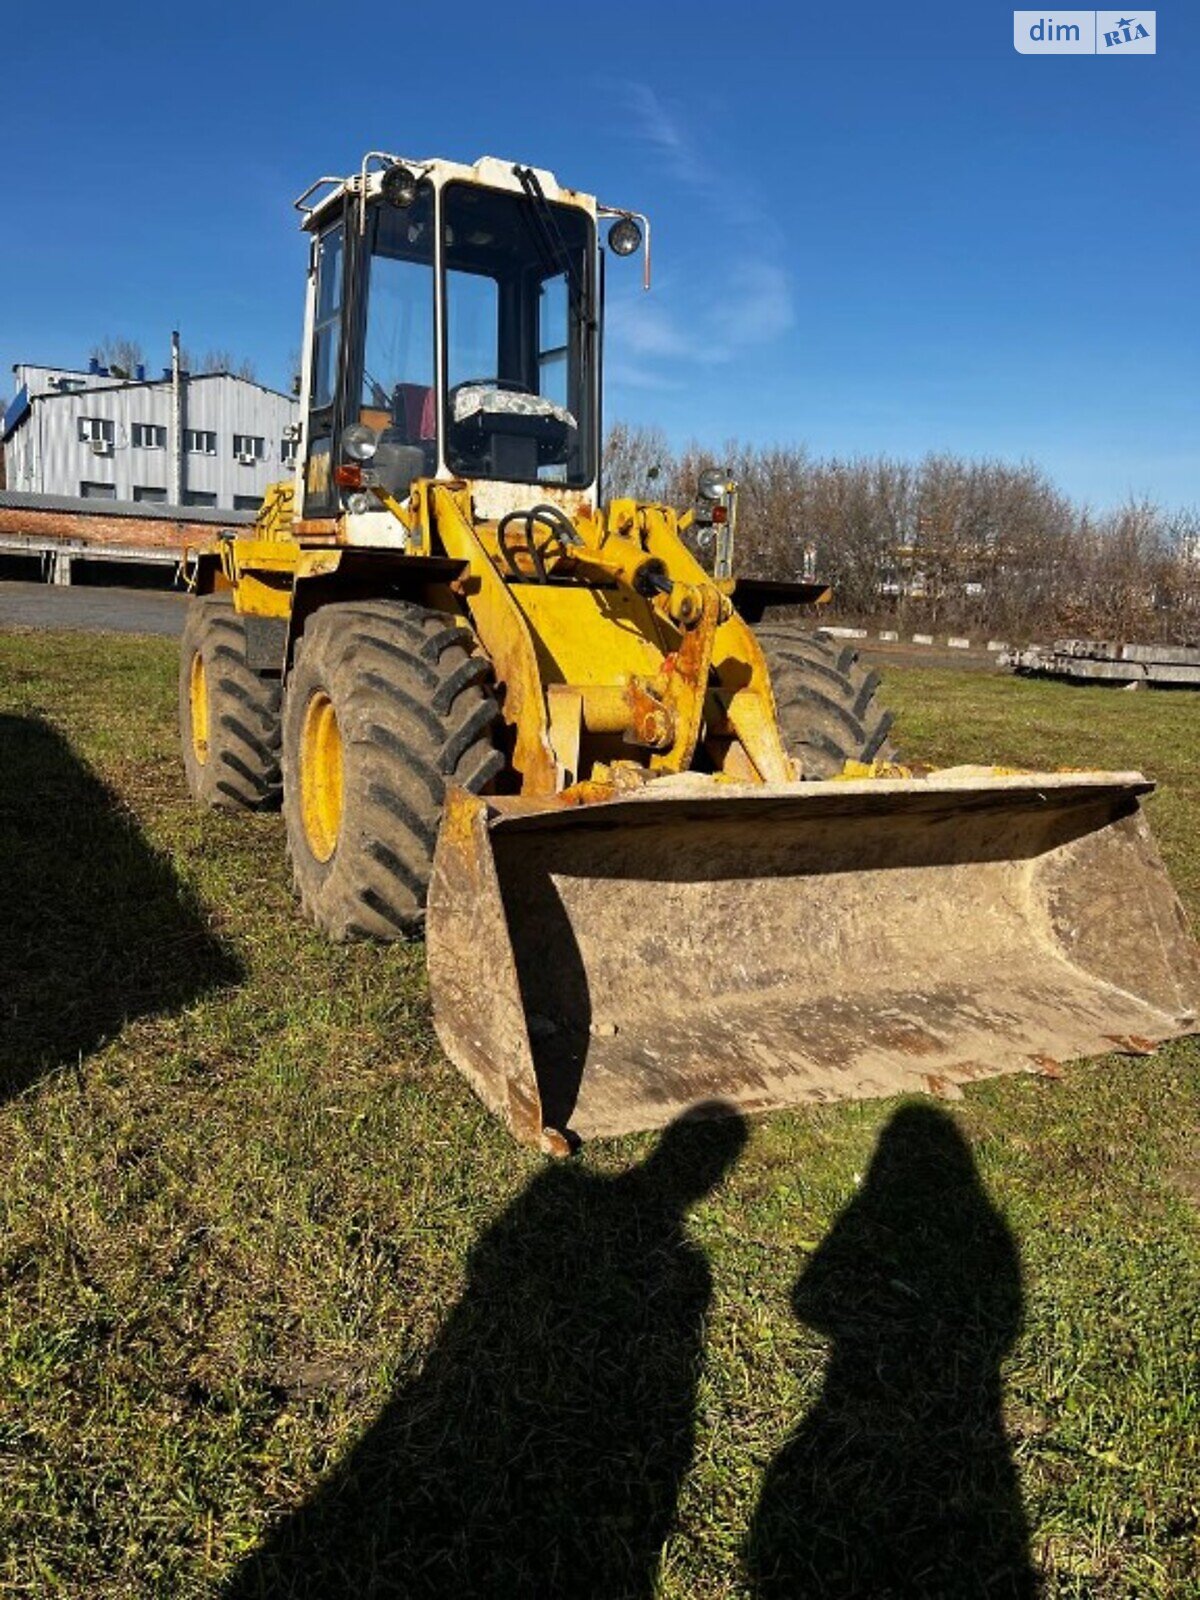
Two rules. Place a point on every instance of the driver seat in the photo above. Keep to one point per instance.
(415, 411)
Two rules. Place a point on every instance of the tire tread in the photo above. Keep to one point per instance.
(825, 700)
(243, 771)
(416, 715)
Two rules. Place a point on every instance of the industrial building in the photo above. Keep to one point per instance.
(201, 440)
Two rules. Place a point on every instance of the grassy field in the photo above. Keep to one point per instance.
(282, 1311)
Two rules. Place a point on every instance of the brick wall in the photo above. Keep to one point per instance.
(139, 533)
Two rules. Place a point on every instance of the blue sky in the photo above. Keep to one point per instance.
(877, 228)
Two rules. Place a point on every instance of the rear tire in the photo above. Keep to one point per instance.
(825, 699)
(229, 715)
(385, 706)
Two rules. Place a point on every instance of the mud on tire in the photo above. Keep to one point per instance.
(229, 715)
(828, 713)
(412, 715)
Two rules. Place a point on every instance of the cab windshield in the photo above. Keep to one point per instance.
(520, 337)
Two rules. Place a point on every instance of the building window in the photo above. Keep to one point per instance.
(98, 491)
(249, 447)
(156, 497)
(148, 436)
(287, 451)
(199, 442)
(96, 430)
(247, 502)
(198, 497)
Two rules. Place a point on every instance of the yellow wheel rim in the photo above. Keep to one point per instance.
(198, 699)
(321, 775)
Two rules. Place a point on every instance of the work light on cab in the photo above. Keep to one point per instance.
(398, 186)
(624, 237)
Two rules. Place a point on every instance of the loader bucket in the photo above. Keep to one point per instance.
(597, 969)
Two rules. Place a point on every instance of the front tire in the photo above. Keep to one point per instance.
(385, 706)
(229, 715)
(825, 700)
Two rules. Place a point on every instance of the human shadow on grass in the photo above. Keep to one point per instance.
(96, 927)
(900, 1481)
(540, 1450)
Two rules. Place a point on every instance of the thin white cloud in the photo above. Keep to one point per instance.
(661, 130)
(753, 304)
(682, 156)
(651, 329)
(761, 305)
(625, 374)
(750, 308)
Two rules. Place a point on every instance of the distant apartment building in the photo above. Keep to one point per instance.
(212, 440)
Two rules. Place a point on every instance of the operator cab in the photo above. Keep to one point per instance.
(454, 333)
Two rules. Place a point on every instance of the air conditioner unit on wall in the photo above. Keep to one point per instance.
(247, 459)
(101, 447)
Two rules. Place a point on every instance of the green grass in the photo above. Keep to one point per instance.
(271, 1281)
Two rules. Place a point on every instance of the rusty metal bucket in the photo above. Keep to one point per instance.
(597, 969)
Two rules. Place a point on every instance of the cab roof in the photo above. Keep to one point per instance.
(489, 171)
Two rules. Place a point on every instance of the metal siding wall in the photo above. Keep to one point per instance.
(37, 379)
(223, 406)
(66, 463)
(226, 406)
(20, 457)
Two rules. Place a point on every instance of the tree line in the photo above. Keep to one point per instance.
(944, 543)
(124, 356)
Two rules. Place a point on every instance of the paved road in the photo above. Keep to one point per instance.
(899, 653)
(93, 610)
(106, 610)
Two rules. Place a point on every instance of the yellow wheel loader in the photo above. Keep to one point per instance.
(648, 817)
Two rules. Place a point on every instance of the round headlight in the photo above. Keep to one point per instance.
(624, 237)
(359, 442)
(358, 502)
(712, 483)
(398, 186)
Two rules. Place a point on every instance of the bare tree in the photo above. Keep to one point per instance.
(121, 356)
(213, 361)
(947, 543)
(637, 462)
